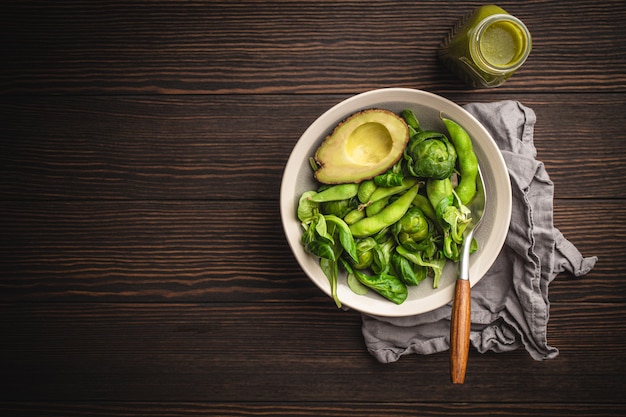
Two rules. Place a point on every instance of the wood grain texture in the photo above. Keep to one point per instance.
(347, 409)
(262, 353)
(217, 47)
(212, 251)
(460, 331)
(236, 147)
(143, 267)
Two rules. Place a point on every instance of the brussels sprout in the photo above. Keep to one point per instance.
(365, 253)
(412, 229)
(430, 155)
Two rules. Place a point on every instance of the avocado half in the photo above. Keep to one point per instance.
(364, 145)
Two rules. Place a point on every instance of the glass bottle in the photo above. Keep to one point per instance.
(486, 47)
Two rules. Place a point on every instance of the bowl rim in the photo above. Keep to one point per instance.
(323, 124)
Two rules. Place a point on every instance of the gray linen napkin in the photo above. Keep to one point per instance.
(510, 305)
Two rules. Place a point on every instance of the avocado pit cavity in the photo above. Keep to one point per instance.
(369, 144)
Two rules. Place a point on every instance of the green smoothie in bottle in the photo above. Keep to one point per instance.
(486, 47)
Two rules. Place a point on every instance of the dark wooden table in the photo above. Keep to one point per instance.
(144, 270)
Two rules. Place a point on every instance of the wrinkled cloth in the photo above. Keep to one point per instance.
(510, 306)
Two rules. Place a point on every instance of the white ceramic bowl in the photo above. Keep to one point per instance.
(298, 178)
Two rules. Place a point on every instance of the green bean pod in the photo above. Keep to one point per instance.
(437, 190)
(384, 192)
(366, 188)
(376, 207)
(335, 193)
(421, 202)
(386, 217)
(468, 163)
(354, 216)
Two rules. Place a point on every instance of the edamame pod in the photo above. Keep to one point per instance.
(437, 190)
(386, 217)
(366, 188)
(376, 207)
(384, 192)
(421, 202)
(335, 193)
(468, 163)
(354, 216)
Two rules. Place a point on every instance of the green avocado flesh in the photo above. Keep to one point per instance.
(364, 145)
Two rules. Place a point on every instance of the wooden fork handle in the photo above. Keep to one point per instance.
(460, 331)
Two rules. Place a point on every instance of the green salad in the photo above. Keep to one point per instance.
(397, 225)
